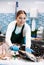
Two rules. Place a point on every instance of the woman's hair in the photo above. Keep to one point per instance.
(20, 12)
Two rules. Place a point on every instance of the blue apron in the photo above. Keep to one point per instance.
(18, 38)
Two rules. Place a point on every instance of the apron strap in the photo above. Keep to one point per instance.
(22, 30)
(22, 27)
(15, 26)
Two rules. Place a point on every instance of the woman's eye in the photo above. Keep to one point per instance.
(24, 18)
(21, 18)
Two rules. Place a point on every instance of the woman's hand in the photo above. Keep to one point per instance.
(29, 50)
(14, 48)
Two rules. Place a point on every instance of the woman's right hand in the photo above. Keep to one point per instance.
(14, 48)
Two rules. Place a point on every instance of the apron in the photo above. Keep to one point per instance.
(18, 38)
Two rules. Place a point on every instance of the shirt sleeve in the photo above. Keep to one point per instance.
(9, 33)
(28, 36)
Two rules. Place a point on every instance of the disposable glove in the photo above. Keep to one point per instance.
(14, 48)
(29, 50)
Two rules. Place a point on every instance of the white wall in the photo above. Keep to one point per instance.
(40, 6)
(27, 6)
(7, 7)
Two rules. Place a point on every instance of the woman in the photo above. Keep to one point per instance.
(18, 31)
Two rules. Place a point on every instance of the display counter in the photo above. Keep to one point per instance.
(38, 46)
(7, 55)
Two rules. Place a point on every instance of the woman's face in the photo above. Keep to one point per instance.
(21, 19)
